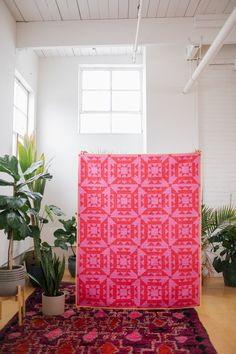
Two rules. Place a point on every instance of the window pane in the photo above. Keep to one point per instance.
(19, 122)
(21, 98)
(95, 123)
(129, 80)
(96, 101)
(95, 79)
(125, 101)
(126, 123)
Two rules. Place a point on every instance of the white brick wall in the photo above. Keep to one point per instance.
(217, 133)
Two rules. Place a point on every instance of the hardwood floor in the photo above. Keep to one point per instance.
(217, 313)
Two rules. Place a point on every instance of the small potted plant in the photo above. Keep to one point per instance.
(15, 211)
(66, 238)
(225, 243)
(53, 300)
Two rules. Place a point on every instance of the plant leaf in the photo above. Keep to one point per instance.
(6, 183)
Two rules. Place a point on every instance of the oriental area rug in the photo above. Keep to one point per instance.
(104, 331)
(139, 231)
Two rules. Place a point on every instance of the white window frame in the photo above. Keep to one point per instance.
(30, 111)
(110, 68)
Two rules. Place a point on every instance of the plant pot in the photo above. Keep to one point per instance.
(229, 274)
(53, 305)
(72, 265)
(10, 279)
(33, 267)
(36, 271)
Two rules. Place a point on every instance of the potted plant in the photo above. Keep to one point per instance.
(27, 156)
(53, 300)
(213, 220)
(225, 261)
(66, 238)
(15, 211)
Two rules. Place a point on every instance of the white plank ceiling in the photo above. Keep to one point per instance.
(86, 51)
(63, 10)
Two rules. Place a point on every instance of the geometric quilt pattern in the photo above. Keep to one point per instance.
(138, 231)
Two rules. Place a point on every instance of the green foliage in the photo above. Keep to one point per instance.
(53, 270)
(225, 242)
(214, 219)
(35, 172)
(15, 208)
(33, 166)
(67, 235)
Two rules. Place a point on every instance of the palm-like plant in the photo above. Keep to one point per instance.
(213, 220)
(27, 156)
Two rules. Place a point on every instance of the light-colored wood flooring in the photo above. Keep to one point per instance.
(217, 313)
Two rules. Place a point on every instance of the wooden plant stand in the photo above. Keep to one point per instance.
(20, 298)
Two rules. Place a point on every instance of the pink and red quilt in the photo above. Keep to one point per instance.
(139, 231)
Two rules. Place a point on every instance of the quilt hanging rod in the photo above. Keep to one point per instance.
(213, 50)
(137, 31)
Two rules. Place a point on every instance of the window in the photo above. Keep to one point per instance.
(21, 113)
(110, 100)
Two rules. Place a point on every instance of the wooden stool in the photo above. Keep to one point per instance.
(20, 298)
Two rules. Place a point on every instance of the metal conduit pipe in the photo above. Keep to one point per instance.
(137, 31)
(213, 50)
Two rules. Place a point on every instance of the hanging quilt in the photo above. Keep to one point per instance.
(138, 231)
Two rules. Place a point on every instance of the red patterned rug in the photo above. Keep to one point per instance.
(97, 331)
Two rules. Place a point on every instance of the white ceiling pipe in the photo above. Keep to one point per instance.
(213, 50)
(137, 31)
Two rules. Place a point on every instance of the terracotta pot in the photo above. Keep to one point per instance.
(10, 279)
(53, 305)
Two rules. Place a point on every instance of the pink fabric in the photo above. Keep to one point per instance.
(139, 231)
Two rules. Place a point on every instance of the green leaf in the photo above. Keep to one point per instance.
(33, 167)
(3, 200)
(218, 264)
(3, 220)
(56, 210)
(14, 220)
(15, 202)
(9, 165)
(24, 231)
(6, 183)
(59, 233)
(32, 179)
(62, 245)
(32, 195)
(34, 231)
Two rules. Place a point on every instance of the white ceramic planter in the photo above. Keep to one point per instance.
(53, 305)
(10, 279)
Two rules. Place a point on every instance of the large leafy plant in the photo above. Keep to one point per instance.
(16, 208)
(27, 156)
(213, 220)
(66, 236)
(225, 242)
(53, 270)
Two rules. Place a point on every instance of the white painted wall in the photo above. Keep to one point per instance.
(171, 115)
(217, 126)
(7, 67)
(26, 64)
(57, 128)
